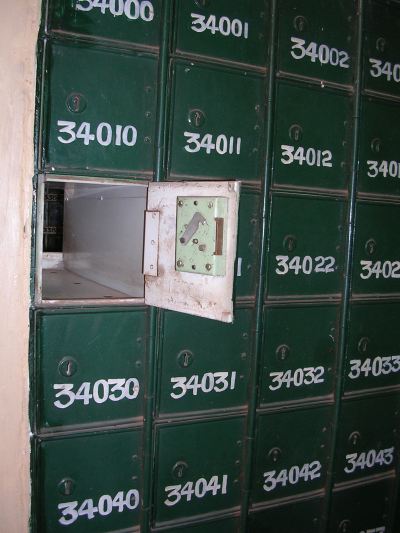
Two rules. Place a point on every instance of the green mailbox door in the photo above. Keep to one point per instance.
(130, 21)
(205, 365)
(373, 351)
(382, 45)
(108, 131)
(287, 466)
(376, 266)
(379, 140)
(292, 517)
(79, 492)
(299, 353)
(316, 39)
(366, 508)
(311, 149)
(207, 139)
(222, 29)
(306, 246)
(198, 468)
(90, 367)
(368, 437)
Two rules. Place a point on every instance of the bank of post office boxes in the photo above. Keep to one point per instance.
(90, 367)
(90, 483)
(128, 21)
(299, 353)
(373, 349)
(247, 244)
(381, 49)
(376, 264)
(291, 453)
(216, 122)
(311, 149)
(205, 365)
(362, 509)
(223, 30)
(379, 171)
(293, 517)
(198, 466)
(317, 39)
(368, 437)
(305, 256)
(99, 120)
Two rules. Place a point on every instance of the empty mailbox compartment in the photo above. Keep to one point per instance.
(117, 242)
(101, 252)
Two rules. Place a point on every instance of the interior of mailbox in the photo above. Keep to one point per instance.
(92, 241)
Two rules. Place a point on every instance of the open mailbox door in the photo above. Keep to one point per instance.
(190, 247)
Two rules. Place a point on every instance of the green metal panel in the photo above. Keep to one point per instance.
(293, 517)
(194, 451)
(316, 39)
(311, 149)
(299, 353)
(119, 20)
(248, 237)
(223, 30)
(373, 359)
(364, 508)
(291, 453)
(376, 267)
(368, 437)
(228, 525)
(205, 364)
(379, 141)
(305, 246)
(79, 493)
(381, 50)
(90, 367)
(207, 139)
(102, 131)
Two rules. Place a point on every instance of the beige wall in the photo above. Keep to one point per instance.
(18, 34)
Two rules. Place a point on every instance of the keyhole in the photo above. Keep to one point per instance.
(290, 243)
(282, 352)
(185, 358)
(76, 103)
(196, 118)
(370, 246)
(179, 469)
(363, 345)
(66, 486)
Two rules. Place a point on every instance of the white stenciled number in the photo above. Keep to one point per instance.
(384, 168)
(376, 367)
(101, 391)
(106, 504)
(132, 9)
(292, 476)
(223, 25)
(309, 156)
(368, 459)
(209, 382)
(105, 134)
(221, 144)
(196, 489)
(306, 265)
(386, 269)
(388, 70)
(381, 529)
(297, 378)
(319, 52)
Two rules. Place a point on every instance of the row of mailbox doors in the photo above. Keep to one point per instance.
(204, 366)
(311, 150)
